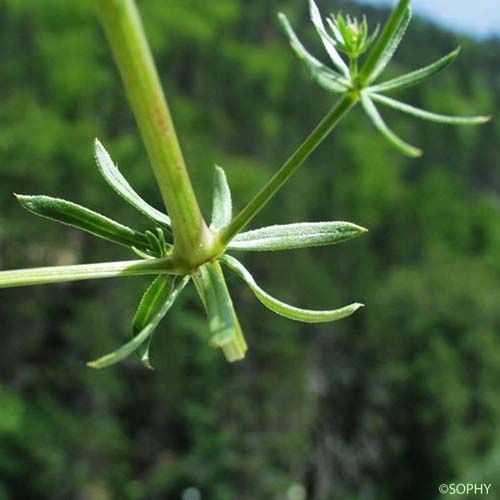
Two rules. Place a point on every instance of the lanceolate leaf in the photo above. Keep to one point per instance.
(379, 123)
(427, 115)
(223, 322)
(222, 207)
(418, 76)
(120, 185)
(290, 236)
(279, 307)
(82, 218)
(328, 42)
(387, 43)
(127, 349)
(151, 303)
(324, 76)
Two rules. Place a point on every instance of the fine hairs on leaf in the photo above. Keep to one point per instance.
(120, 185)
(325, 77)
(294, 236)
(222, 205)
(82, 218)
(385, 47)
(418, 76)
(180, 247)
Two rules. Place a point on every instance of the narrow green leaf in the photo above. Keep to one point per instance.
(386, 45)
(427, 115)
(60, 274)
(324, 76)
(380, 125)
(279, 307)
(120, 185)
(222, 207)
(152, 301)
(223, 322)
(127, 349)
(417, 76)
(82, 218)
(291, 236)
(141, 254)
(328, 42)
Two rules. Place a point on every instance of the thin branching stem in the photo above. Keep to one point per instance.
(343, 106)
(59, 274)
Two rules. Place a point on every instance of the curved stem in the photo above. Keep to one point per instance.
(59, 274)
(343, 106)
(124, 30)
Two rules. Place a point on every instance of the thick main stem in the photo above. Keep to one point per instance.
(124, 30)
(342, 107)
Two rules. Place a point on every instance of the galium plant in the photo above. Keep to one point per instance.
(181, 247)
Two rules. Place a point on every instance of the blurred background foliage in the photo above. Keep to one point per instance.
(384, 405)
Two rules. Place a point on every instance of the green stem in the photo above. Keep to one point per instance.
(122, 24)
(343, 106)
(59, 274)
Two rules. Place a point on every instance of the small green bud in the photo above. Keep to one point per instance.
(351, 35)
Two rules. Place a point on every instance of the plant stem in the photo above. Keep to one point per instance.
(343, 106)
(122, 24)
(59, 274)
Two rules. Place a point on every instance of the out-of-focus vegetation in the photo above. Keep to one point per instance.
(386, 404)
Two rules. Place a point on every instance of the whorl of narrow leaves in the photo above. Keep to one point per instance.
(159, 257)
(351, 36)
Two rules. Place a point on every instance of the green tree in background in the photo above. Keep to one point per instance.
(359, 409)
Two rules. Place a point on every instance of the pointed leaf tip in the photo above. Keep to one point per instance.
(384, 48)
(295, 236)
(222, 207)
(428, 115)
(132, 345)
(327, 41)
(381, 126)
(283, 309)
(326, 78)
(417, 76)
(121, 186)
(82, 218)
(151, 303)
